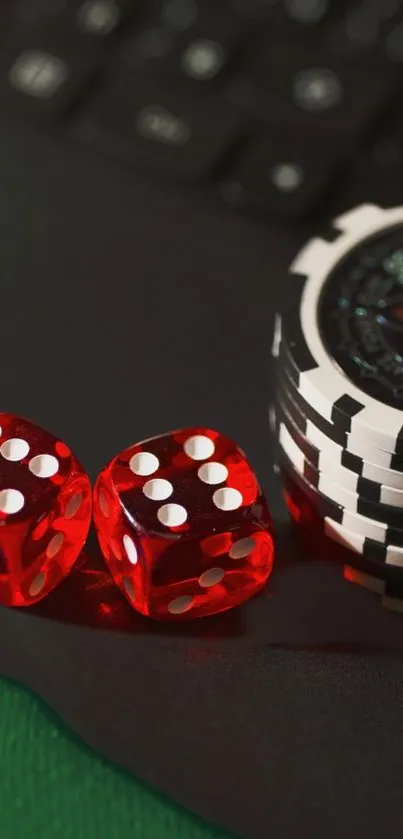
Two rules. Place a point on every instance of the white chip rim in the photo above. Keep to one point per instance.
(332, 490)
(376, 469)
(336, 473)
(355, 543)
(354, 440)
(378, 457)
(355, 522)
(327, 383)
(341, 495)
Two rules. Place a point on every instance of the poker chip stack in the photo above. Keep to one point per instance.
(337, 413)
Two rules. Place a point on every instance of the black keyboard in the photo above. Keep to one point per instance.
(272, 105)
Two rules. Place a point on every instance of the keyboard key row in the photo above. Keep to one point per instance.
(159, 129)
(271, 117)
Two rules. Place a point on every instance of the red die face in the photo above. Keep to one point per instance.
(45, 511)
(183, 525)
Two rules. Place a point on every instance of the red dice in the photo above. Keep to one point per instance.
(183, 525)
(45, 511)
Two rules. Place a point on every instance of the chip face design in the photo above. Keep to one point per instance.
(344, 340)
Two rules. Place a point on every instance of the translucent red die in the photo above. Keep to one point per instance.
(45, 511)
(183, 525)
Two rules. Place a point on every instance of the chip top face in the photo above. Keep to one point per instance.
(360, 316)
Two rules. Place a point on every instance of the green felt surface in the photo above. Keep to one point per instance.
(53, 787)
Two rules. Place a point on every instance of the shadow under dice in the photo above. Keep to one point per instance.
(183, 525)
(45, 511)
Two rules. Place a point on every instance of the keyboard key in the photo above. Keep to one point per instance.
(98, 17)
(41, 79)
(96, 20)
(371, 28)
(38, 74)
(209, 48)
(157, 124)
(302, 87)
(158, 129)
(179, 15)
(308, 12)
(288, 13)
(199, 54)
(317, 89)
(203, 59)
(277, 176)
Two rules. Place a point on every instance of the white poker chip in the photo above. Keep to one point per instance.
(324, 483)
(315, 444)
(305, 414)
(338, 409)
(366, 527)
(361, 555)
(344, 337)
(349, 487)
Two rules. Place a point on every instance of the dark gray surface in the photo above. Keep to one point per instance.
(127, 310)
